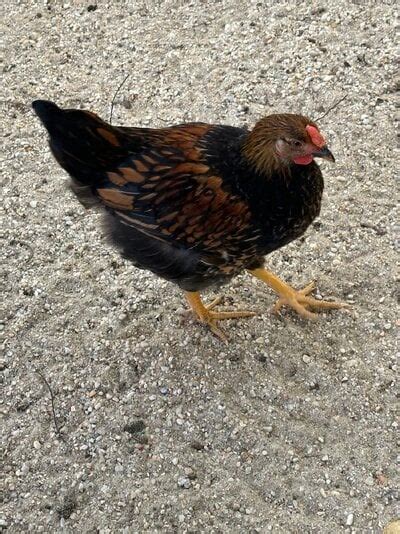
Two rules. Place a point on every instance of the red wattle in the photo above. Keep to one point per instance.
(303, 160)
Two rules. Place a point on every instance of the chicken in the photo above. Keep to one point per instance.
(198, 203)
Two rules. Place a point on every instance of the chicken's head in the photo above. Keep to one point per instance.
(286, 139)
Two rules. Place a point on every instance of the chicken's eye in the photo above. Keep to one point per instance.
(293, 142)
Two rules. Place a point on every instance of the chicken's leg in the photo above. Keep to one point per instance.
(210, 318)
(298, 300)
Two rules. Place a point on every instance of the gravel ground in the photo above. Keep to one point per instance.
(161, 428)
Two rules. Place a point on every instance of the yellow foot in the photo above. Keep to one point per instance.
(206, 316)
(299, 301)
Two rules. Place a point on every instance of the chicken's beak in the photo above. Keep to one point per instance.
(325, 153)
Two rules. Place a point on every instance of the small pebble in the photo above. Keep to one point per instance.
(184, 482)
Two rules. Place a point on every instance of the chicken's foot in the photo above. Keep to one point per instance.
(298, 300)
(206, 316)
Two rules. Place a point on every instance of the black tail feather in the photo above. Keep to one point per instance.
(83, 144)
(46, 110)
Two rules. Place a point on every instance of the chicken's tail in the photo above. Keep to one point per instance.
(82, 143)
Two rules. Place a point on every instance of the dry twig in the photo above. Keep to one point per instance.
(58, 431)
(332, 107)
(115, 96)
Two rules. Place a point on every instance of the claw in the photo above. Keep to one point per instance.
(206, 316)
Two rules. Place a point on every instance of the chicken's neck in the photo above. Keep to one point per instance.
(259, 151)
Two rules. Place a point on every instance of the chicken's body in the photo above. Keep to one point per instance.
(189, 203)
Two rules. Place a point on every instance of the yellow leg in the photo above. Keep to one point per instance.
(298, 300)
(210, 318)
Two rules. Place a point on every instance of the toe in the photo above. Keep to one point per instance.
(218, 331)
(295, 304)
(301, 310)
(278, 305)
(308, 289)
(214, 303)
(323, 304)
(231, 315)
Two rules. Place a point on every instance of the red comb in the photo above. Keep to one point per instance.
(315, 136)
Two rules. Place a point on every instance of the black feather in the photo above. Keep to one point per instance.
(82, 143)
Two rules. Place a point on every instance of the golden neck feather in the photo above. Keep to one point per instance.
(259, 150)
